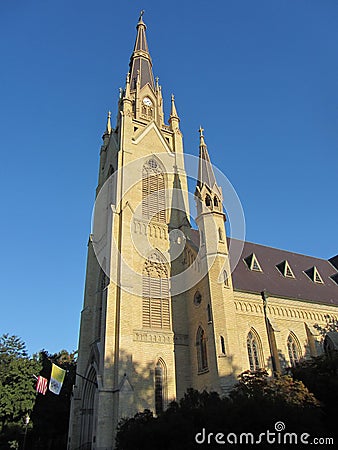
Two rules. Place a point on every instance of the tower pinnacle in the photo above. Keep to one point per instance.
(108, 127)
(205, 171)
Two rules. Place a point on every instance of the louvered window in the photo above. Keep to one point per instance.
(153, 192)
(155, 292)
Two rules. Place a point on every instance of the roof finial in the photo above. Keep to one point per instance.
(141, 15)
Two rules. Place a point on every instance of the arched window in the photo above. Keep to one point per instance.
(159, 386)
(220, 234)
(209, 313)
(101, 301)
(155, 293)
(201, 346)
(215, 201)
(89, 399)
(225, 278)
(222, 345)
(208, 200)
(153, 192)
(254, 350)
(293, 349)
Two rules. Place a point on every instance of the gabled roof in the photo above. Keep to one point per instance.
(299, 288)
(270, 279)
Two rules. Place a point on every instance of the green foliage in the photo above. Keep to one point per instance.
(17, 384)
(50, 413)
(331, 325)
(255, 404)
(282, 389)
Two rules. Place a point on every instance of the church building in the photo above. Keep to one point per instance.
(167, 306)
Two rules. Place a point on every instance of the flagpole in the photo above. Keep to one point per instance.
(87, 379)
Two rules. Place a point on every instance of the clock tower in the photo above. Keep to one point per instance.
(132, 332)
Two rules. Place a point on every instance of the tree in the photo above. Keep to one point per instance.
(17, 384)
(255, 404)
(320, 375)
(51, 412)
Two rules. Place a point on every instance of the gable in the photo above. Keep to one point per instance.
(151, 138)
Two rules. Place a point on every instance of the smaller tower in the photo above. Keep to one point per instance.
(218, 315)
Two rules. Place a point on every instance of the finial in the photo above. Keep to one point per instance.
(157, 80)
(108, 129)
(202, 142)
(172, 97)
(128, 77)
(141, 15)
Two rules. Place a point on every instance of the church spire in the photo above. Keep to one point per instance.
(140, 61)
(206, 174)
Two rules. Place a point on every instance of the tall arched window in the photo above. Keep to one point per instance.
(88, 416)
(101, 301)
(160, 373)
(208, 200)
(155, 293)
(153, 191)
(201, 346)
(254, 350)
(293, 349)
(225, 278)
(222, 345)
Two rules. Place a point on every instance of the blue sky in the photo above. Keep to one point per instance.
(261, 77)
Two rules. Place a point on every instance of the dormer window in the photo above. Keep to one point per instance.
(252, 263)
(314, 275)
(285, 269)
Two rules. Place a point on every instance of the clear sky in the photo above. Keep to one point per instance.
(260, 76)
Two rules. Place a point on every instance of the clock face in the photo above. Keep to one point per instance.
(147, 101)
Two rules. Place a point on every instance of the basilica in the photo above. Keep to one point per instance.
(172, 302)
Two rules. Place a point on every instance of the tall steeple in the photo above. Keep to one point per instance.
(205, 172)
(140, 61)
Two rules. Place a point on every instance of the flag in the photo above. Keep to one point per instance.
(41, 385)
(56, 379)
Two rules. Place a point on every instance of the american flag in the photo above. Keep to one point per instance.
(41, 385)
